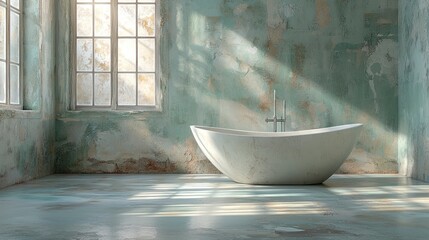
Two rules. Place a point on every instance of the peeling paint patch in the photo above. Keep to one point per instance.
(144, 165)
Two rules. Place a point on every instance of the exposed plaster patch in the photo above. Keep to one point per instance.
(380, 63)
(142, 165)
(361, 162)
(322, 13)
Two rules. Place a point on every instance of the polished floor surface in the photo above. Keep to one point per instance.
(209, 207)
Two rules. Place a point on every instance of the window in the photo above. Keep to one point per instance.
(10, 54)
(116, 54)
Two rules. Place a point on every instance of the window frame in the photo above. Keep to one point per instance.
(20, 64)
(157, 107)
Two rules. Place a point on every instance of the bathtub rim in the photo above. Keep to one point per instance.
(245, 133)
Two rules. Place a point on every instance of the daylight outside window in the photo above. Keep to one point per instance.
(10, 54)
(116, 54)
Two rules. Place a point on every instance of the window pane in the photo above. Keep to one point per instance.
(102, 55)
(84, 20)
(146, 89)
(2, 82)
(147, 55)
(146, 20)
(126, 55)
(126, 20)
(84, 89)
(14, 84)
(102, 20)
(14, 37)
(102, 89)
(2, 33)
(135, 61)
(84, 59)
(127, 89)
(14, 3)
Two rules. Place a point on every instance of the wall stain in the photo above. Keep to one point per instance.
(156, 166)
(141, 165)
(305, 105)
(298, 59)
(322, 13)
(264, 103)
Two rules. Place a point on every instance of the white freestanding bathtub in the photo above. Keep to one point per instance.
(297, 157)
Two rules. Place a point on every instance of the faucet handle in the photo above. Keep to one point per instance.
(267, 120)
(284, 109)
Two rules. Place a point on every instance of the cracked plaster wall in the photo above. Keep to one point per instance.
(413, 150)
(334, 61)
(27, 136)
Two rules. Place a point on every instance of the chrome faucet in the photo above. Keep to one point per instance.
(276, 120)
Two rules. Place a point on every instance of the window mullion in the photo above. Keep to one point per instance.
(114, 53)
(93, 53)
(158, 73)
(137, 53)
(7, 52)
(73, 52)
(21, 54)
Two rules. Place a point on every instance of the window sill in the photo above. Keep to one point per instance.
(91, 114)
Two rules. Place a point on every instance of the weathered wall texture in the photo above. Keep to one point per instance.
(27, 137)
(334, 61)
(414, 89)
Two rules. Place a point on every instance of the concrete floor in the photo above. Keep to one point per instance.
(213, 207)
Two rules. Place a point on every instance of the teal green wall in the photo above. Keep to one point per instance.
(334, 61)
(414, 89)
(27, 136)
